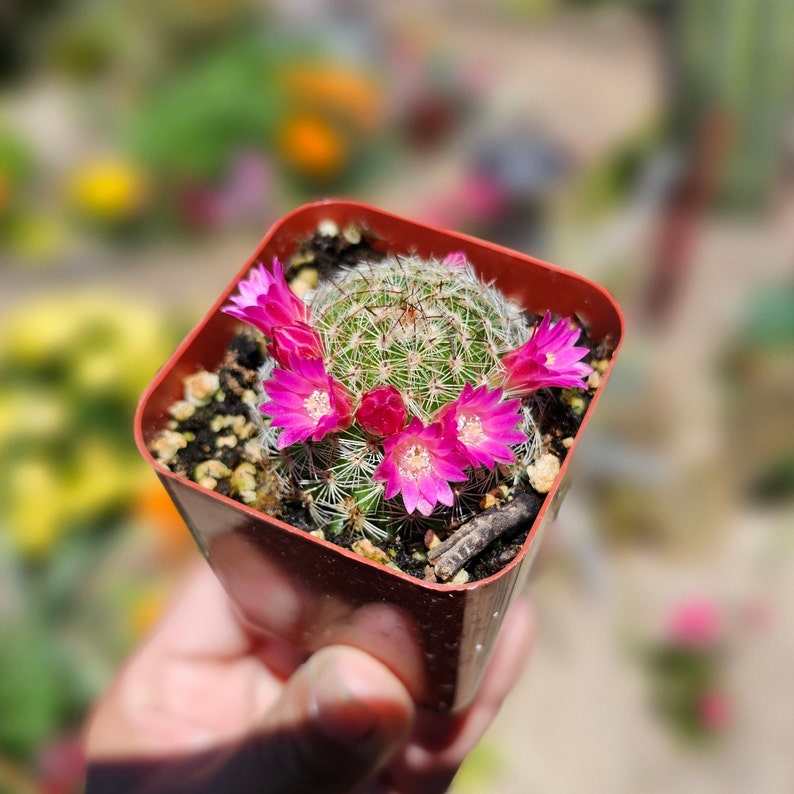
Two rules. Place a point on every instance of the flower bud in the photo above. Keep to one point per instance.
(382, 411)
(298, 339)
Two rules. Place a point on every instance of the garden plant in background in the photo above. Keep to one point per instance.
(686, 669)
(71, 542)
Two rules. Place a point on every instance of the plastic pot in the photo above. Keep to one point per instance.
(310, 592)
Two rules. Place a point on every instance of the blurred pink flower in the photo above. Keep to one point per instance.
(483, 197)
(299, 340)
(382, 411)
(484, 425)
(715, 710)
(420, 462)
(306, 401)
(695, 624)
(61, 765)
(265, 301)
(548, 358)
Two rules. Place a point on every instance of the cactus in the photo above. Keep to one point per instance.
(403, 377)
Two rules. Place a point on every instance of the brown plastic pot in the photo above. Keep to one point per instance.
(310, 592)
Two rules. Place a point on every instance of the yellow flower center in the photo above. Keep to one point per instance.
(318, 404)
(470, 431)
(413, 461)
(551, 359)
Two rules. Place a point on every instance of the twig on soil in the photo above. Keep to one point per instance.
(467, 542)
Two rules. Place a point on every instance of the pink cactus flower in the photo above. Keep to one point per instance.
(715, 710)
(265, 301)
(485, 425)
(306, 401)
(455, 260)
(695, 624)
(548, 358)
(299, 340)
(382, 412)
(421, 462)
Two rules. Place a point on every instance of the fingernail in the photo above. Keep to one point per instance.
(335, 708)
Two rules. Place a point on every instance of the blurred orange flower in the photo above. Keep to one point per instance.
(312, 146)
(157, 512)
(351, 94)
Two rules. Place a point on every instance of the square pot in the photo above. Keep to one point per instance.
(310, 592)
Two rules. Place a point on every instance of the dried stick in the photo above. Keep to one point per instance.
(467, 542)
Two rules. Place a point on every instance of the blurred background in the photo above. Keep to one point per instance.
(145, 148)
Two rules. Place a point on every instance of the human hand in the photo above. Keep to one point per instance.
(206, 705)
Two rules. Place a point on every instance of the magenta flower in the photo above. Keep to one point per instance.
(715, 710)
(695, 624)
(382, 411)
(548, 358)
(485, 425)
(265, 301)
(420, 462)
(455, 260)
(299, 340)
(306, 401)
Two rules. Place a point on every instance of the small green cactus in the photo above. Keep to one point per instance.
(402, 377)
(425, 328)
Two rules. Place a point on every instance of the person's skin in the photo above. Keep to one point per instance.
(206, 706)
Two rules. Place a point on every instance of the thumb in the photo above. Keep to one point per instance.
(340, 717)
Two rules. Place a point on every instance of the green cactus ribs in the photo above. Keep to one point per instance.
(418, 325)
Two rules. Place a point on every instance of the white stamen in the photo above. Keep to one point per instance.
(318, 404)
(470, 430)
(414, 461)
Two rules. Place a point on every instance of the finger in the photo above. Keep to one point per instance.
(200, 620)
(388, 635)
(440, 742)
(341, 717)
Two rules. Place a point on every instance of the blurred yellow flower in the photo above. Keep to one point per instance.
(31, 414)
(36, 508)
(92, 337)
(73, 367)
(99, 479)
(109, 190)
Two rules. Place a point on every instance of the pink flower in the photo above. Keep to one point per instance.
(420, 462)
(382, 411)
(455, 260)
(548, 358)
(299, 340)
(485, 426)
(265, 301)
(306, 401)
(695, 624)
(714, 710)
